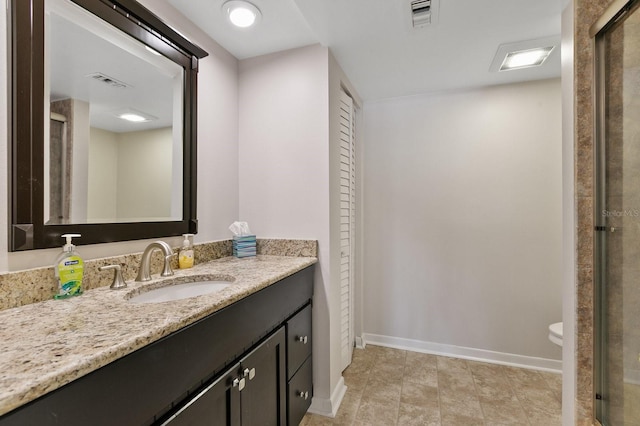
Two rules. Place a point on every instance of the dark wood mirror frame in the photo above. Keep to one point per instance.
(26, 122)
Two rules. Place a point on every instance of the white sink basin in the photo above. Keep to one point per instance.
(180, 291)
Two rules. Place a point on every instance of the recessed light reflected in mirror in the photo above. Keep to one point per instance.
(242, 14)
(132, 117)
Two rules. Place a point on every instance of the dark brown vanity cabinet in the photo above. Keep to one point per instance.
(251, 392)
(193, 376)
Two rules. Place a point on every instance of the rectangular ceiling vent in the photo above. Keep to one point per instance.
(423, 13)
(103, 78)
(420, 13)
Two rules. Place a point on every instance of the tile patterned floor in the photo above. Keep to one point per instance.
(395, 387)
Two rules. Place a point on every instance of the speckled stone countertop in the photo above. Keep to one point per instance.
(48, 344)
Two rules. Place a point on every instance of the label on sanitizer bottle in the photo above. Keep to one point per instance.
(70, 271)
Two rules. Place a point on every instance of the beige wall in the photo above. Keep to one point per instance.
(130, 175)
(103, 174)
(145, 165)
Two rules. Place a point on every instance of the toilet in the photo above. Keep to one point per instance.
(555, 333)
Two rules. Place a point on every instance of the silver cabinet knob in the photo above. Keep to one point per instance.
(302, 339)
(238, 383)
(304, 395)
(251, 373)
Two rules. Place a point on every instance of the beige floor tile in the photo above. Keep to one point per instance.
(504, 412)
(375, 412)
(418, 359)
(392, 373)
(520, 377)
(382, 390)
(459, 420)
(492, 386)
(421, 374)
(463, 404)
(363, 356)
(356, 382)
(410, 415)
(315, 420)
(452, 383)
(387, 387)
(348, 409)
(543, 418)
(359, 367)
(451, 364)
(417, 394)
(554, 380)
(390, 356)
(538, 398)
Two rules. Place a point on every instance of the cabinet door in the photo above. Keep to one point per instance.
(217, 404)
(263, 399)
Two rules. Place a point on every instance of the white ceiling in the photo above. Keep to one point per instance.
(376, 47)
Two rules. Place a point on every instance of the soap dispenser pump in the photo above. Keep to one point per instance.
(69, 270)
(185, 257)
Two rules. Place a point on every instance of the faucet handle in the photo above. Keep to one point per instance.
(118, 281)
(166, 270)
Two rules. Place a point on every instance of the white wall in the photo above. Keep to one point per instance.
(284, 172)
(463, 221)
(289, 180)
(217, 147)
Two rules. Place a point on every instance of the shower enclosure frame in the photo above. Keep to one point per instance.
(612, 17)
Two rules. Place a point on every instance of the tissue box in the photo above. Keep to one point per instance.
(244, 246)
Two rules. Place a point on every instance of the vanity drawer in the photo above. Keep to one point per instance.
(298, 340)
(300, 391)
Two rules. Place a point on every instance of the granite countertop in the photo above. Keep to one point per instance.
(48, 344)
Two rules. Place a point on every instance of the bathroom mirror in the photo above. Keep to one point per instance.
(103, 124)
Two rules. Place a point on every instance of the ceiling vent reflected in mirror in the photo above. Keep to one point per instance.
(103, 78)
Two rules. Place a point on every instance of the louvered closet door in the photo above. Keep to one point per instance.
(347, 224)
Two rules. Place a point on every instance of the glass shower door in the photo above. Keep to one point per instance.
(617, 219)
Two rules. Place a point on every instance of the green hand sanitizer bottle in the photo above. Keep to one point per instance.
(69, 270)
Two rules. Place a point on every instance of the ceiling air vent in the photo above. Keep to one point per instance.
(103, 78)
(424, 13)
(420, 13)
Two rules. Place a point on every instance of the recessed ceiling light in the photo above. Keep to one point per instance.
(524, 54)
(241, 13)
(526, 58)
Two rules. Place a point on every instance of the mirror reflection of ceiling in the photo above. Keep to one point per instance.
(375, 45)
(76, 53)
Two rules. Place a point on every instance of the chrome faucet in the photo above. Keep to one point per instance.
(144, 273)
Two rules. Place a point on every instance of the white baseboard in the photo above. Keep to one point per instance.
(514, 360)
(360, 342)
(329, 407)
